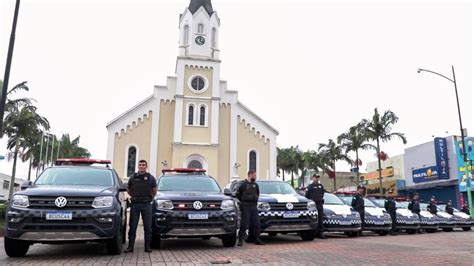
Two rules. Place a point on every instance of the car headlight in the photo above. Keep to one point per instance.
(227, 205)
(164, 204)
(103, 202)
(20, 201)
(311, 206)
(263, 206)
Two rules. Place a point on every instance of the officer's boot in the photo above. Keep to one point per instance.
(241, 240)
(258, 241)
(148, 246)
(131, 244)
(322, 236)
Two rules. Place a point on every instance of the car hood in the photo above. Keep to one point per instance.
(69, 191)
(405, 212)
(191, 195)
(462, 215)
(426, 214)
(281, 198)
(374, 211)
(338, 209)
(444, 214)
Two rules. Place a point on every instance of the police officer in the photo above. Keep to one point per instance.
(414, 206)
(465, 209)
(248, 193)
(358, 205)
(391, 208)
(432, 208)
(315, 192)
(449, 207)
(142, 189)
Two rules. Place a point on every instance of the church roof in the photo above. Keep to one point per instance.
(196, 4)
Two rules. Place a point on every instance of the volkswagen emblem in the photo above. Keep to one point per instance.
(289, 206)
(197, 205)
(60, 202)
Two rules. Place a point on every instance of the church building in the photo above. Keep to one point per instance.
(194, 120)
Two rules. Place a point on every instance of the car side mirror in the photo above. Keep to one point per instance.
(26, 185)
(123, 188)
(227, 192)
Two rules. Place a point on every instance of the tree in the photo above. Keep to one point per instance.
(295, 162)
(331, 153)
(283, 161)
(70, 148)
(14, 104)
(379, 128)
(354, 140)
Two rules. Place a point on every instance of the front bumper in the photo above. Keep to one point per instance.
(339, 223)
(373, 223)
(177, 223)
(427, 223)
(407, 222)
(276, 222)
(31, 225)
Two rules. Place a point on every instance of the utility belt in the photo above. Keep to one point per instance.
(141, 199)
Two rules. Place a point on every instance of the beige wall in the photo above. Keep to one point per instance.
(209, 153)
(165, 135)
(138, 134)
(247, 140)
(205, 72)
(196, 134)
(224, 145)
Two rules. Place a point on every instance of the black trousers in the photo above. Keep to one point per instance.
(393, 215)
(145, 209)
(249, 220)
(362, 218)
(320, 208)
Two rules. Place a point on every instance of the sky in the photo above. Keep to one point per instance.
(311, 69)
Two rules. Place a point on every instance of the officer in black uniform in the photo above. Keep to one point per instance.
(465, 209)
(449, 207)
(315, 192)
(432, 208)
(391, 208)
(359, 206)
(142, 189)
(414, 206)
(248, 193)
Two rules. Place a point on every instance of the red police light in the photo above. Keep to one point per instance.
(80, 161)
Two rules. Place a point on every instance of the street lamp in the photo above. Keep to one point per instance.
(464, 153)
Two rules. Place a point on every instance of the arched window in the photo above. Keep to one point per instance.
(186, 35)
(202, 115)
(213, 38)
(191, 115)
(195, 164)
(200, 28)
(253, 160)
(131, 161)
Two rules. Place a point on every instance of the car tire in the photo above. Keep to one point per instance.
(15, 248)
(272, 234)
(411, 231)
(115, 244)
(352, 234)
(308, 235)
(448, 229)
(383, 233)
(229, 240)
(156, 242)
(206, 237)
(431, 230)
(466, 228)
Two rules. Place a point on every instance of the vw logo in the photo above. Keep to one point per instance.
(289, 206)
(60, 202)
(197, 205)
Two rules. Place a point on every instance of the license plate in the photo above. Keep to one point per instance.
(345, 222)
(59, 216)
(198, 216)
(291, 215)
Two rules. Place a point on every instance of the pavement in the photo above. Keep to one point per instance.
(441, 248)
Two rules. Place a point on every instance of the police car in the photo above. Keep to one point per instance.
(461, 219)
(190, 204)
(72, 202)
(406, 220)
(376, 219)
(339, 217)
(428, 221)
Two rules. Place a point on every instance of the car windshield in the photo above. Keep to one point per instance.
(441, 208)
(379, 202)
(331, 199)
(347, 200)
(75, 176)
(188, 183)
(369, 203)
(424, 206)
(401, 205)
(276, 188)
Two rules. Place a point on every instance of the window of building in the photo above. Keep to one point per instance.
(202, 115)
(191, 115)
(6, 184)
(198, 83)
(186, 35)
(131, 161)
(200, 28)
(195, 164)
(253, 160)
(213, 37)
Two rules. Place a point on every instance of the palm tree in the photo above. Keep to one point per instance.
(20, 121)
(283, 161)
(295, 162)
(379, 128)
(331, 153)
(70, 148)
(354, 140)
(13, 104)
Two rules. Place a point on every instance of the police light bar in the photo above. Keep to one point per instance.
(80, 161)
(183, 170)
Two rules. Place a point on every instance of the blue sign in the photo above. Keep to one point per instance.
(426, 174)
(462, 177)
(441, 153)
(2, 157)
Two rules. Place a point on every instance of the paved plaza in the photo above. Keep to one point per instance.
(453, 248)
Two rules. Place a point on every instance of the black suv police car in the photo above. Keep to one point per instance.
(190, 204)
(71, 202)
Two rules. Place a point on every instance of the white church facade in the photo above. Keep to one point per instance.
(194, 120)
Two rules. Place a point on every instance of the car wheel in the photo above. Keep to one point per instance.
(466, 228)
(431, 230)
(115, 244)
(156, 242)
(383, 233)
(15, 248)
(352, 234)
(411, 231)
(229, 240)
(308, 235)
(273, 234)
(448, 229)
(206, 237)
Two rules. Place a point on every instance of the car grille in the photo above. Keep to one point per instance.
(188, 205)
(72, 202)
(39, 227)
(282, 206)
(185, 223)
